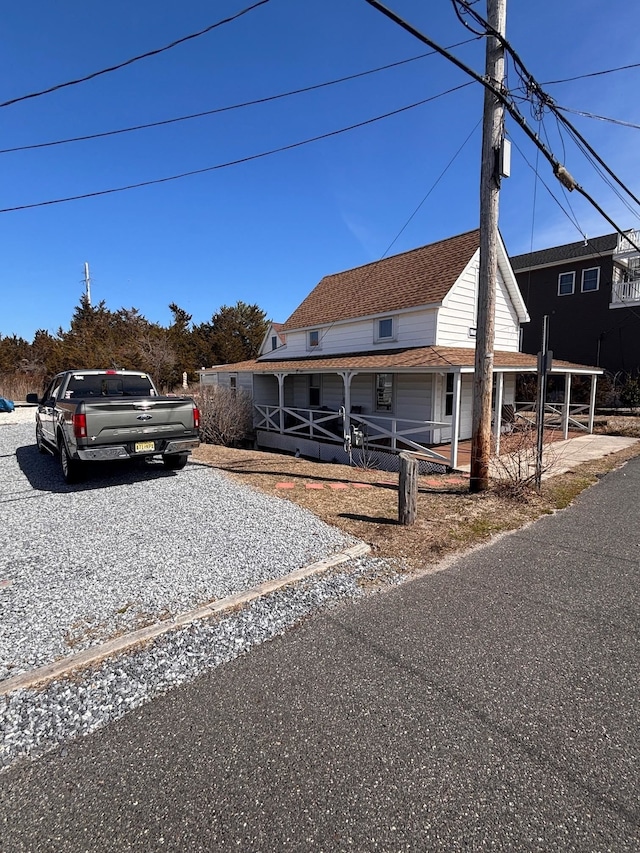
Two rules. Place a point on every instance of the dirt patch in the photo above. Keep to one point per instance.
(364, 503)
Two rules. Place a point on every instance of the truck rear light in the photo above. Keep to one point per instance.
(196, 417)
(80, 426)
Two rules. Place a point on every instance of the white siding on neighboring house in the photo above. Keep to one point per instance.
(265, 390)
(413, 396)
(362, 393)
(245, 382)
(411, 329)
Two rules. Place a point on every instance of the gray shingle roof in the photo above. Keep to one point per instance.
(557, 254)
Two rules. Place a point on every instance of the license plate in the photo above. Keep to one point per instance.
(144, 446)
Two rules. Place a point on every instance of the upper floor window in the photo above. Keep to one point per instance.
(274, 342)
(566, 283)
(385, 329)
(313, 339)
(590, 279)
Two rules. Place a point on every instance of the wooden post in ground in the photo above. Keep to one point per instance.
(408, 489)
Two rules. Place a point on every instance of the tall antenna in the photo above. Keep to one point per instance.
(87, 283)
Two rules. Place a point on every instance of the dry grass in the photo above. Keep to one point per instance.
(449, 518)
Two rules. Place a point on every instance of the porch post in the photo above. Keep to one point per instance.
(592, 401)
(497, 417)
(567, 404)
(455, 418)
(281, 378)
(347, 376)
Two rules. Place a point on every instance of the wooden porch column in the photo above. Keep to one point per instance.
(567, 404)
(281, 378)
(497, 418)
(455, 418)
(592, 401)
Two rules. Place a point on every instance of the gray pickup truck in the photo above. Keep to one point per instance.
(107, 415)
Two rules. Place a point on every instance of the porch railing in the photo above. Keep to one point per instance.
(554, 414)
(382, 432)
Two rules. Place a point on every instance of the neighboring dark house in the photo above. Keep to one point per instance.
(591, 292)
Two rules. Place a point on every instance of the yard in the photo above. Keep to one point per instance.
(449, 518)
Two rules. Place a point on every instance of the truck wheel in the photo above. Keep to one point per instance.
(175, 461)
(70, 467)
(39, 439)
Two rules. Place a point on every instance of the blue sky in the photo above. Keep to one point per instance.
(266, 231)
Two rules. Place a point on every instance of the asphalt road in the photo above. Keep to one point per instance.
(491, 706)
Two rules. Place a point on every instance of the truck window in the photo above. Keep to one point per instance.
(83, 386)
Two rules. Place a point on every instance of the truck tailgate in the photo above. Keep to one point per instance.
(115, 421)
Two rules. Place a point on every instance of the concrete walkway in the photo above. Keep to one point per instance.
(561, 456)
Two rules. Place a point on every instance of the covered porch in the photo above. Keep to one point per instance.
(366, 409)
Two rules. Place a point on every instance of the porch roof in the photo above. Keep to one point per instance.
(430, 359)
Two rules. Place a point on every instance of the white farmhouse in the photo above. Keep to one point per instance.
(384, 355)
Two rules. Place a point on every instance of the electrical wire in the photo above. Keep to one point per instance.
(238, 161)
(503, 96)
(265, 100)
(133, 59)
(592, 74)
(601, 118)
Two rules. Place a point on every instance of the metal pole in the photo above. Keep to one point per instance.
(542, 397)
(492, 135)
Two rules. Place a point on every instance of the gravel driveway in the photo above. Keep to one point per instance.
(80, 564)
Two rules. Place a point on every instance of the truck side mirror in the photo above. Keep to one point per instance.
(33, 398)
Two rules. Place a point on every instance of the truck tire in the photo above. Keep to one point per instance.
(39, 439)
(175, 461)
(70, 467)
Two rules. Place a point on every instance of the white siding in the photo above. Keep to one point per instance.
(507, 338)
(458, 313)
(413, 396)
(412, 329)
(265, 390)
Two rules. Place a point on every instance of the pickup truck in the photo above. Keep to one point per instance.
(107, 415)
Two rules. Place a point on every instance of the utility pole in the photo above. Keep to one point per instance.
(87, 284)
(492, 139)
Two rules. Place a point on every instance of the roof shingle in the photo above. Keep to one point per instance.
(418, 277)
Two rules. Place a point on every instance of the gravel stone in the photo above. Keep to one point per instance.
(131, 545)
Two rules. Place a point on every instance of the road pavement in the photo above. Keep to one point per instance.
(489, 706)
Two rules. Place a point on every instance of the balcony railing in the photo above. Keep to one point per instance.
(625, 247)
(625, 291)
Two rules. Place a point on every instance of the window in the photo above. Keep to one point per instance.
(314, 339)
(448, 396)
(385, 329)
(233, 384)
(314, 390)
(274, 342)
(566, 283)
(590, 279)
(384, 392)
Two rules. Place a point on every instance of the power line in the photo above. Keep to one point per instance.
(135, 58)
(265, 100)
(601, 118)
(237, 162)
(503, 96)
(592, 74)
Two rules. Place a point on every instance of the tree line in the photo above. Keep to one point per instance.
(100, 338)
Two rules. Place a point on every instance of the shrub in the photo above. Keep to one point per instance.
(630, 393)
(226, 416)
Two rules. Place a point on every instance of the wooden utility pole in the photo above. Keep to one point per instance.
(492, 137)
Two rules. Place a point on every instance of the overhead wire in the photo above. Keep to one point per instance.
(237, 161)
(537, 95)
(134, 59)
(228, 108)
(599, 117)
(592, 74)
